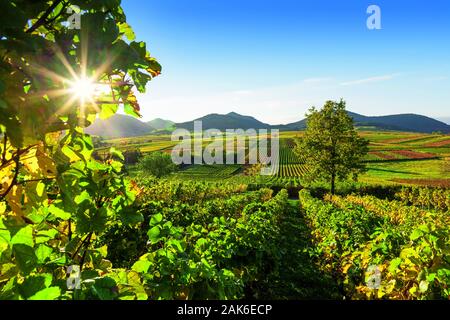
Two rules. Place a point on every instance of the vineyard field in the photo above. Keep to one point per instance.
(393, 158)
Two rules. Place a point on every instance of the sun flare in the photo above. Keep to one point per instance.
(84, 88)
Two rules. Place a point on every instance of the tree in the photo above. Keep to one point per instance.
(131, 156)
(55, 199)
(331, 146)
(157, 164)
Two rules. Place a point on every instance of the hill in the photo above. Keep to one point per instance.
(160, 124)
(222, 122)
(119, 126)
(399, 122)
(402, 122)
(125, 126)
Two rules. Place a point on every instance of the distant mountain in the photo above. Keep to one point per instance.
(298, 125)
(230, 120)
(160, 124)
(126, 126)
(400, 122)
(119, 126)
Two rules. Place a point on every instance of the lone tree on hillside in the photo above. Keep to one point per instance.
(331, 146)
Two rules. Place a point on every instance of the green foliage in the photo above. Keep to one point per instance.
(157, 164)
(409, 246)
(330, 145)
(430, 198)
(196, 243)
(56, 201)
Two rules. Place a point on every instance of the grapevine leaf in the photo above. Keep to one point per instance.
(156, 219)
(24, 236)
(153, 234)
(141, 266)
(25, 257)
(50, 293)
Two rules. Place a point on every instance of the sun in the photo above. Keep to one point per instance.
(83, 88)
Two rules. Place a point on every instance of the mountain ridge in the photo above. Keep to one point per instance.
(399, 122)
(125, 126)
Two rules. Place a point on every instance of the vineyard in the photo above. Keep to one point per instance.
(401, 249)
(394, 157)
(208, 172)
(195, 241)
(339, 212)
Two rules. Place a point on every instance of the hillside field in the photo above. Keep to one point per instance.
(394, 158)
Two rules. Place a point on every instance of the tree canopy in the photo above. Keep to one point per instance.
(157, 164)
(331, 145)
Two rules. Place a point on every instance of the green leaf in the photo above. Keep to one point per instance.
(51, 293)
(156, 219)
(33, 284)
(130, 216)
(130, 110)
(176, 244)
(25, 257)
(153, 234)
(116, 153)
(24, 236)
(105, 288)
(83, 196)
(141, 266)
(395, 263)
(126, 29)
(43, 253)
(59, 213)
(416, 234)
(108, 110)
(103, 250)
(44, 236)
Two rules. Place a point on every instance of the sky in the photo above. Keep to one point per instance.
(274, 59)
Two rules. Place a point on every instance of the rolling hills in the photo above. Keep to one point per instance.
(400, 122)
(125, 126)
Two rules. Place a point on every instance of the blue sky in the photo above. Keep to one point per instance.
(273, 59)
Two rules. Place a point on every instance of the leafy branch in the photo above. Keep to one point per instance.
(42, 20)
